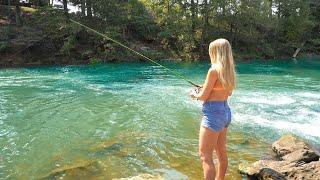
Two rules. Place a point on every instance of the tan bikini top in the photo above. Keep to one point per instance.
(218, 86)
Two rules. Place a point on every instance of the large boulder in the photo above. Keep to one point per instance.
(290, 148)
(297, 160)
(255, 168)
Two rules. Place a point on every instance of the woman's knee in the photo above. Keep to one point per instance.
(222, 155)
(205, 157)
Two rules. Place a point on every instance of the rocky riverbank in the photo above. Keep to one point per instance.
(47, 39)
(293, 159)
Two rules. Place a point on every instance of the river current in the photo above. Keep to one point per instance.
(134, 118)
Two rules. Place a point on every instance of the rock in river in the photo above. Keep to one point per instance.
(82, 169)
(297, 160)
(142, 177)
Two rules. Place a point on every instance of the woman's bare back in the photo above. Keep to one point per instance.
(218, 93)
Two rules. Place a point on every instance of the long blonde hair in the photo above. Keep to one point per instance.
(221, 57)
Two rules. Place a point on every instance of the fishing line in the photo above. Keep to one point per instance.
(136, 52)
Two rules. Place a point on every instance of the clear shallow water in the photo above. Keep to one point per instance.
(129, 119)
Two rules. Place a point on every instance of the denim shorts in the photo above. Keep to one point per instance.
(216, 115)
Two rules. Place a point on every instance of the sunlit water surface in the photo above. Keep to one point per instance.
(135, 118)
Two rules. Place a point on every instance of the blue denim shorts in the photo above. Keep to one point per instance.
(216, 115)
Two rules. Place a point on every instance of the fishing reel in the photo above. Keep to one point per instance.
(195, 91)
(198, 89)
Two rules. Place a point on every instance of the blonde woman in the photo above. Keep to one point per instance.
(218, 86)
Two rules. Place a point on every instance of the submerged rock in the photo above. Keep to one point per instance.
(142, 177)
(297, 161)
(105, 148)
(119, 145)
(76, 170)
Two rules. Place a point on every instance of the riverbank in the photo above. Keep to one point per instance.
(46, 39)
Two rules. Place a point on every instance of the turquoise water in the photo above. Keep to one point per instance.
(132, 118)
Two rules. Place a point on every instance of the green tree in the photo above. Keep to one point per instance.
(65, 9)
(89, 8)
(18, 13)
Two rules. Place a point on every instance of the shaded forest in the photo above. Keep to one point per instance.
(164, 29)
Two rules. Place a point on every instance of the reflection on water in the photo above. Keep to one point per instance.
(120, 120)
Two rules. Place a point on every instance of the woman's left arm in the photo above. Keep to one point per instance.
(211, 79)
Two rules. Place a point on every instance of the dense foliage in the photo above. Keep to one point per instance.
(182, 29)
(260, 28)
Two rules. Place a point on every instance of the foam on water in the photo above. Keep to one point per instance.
(267, 99)
(297, 113)
(315, 95)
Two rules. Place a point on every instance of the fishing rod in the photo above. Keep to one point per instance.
(136, 52)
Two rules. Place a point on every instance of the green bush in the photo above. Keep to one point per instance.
(95, 61)
(4, 46)
(68, 45)
(5, 33)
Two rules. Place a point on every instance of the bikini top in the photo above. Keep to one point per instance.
(219, 87)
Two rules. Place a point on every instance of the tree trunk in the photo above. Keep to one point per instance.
(18, 14)
(298, 50)
(65, 8)
(270, 8)
(193, 16)
(279, 10)
(89, 8)
(9, 9)
(205, 26)
(83, 7)
(193, 26)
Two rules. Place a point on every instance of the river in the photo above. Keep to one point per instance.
(134, 118)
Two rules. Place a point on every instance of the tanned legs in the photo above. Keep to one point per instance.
(221, 151)
(208, 142)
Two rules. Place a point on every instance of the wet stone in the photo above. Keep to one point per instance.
(288, 144)
(143, 177)
(297, 161)
(116, 147)
(80, 169)
(301, 155)
(270, 174)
